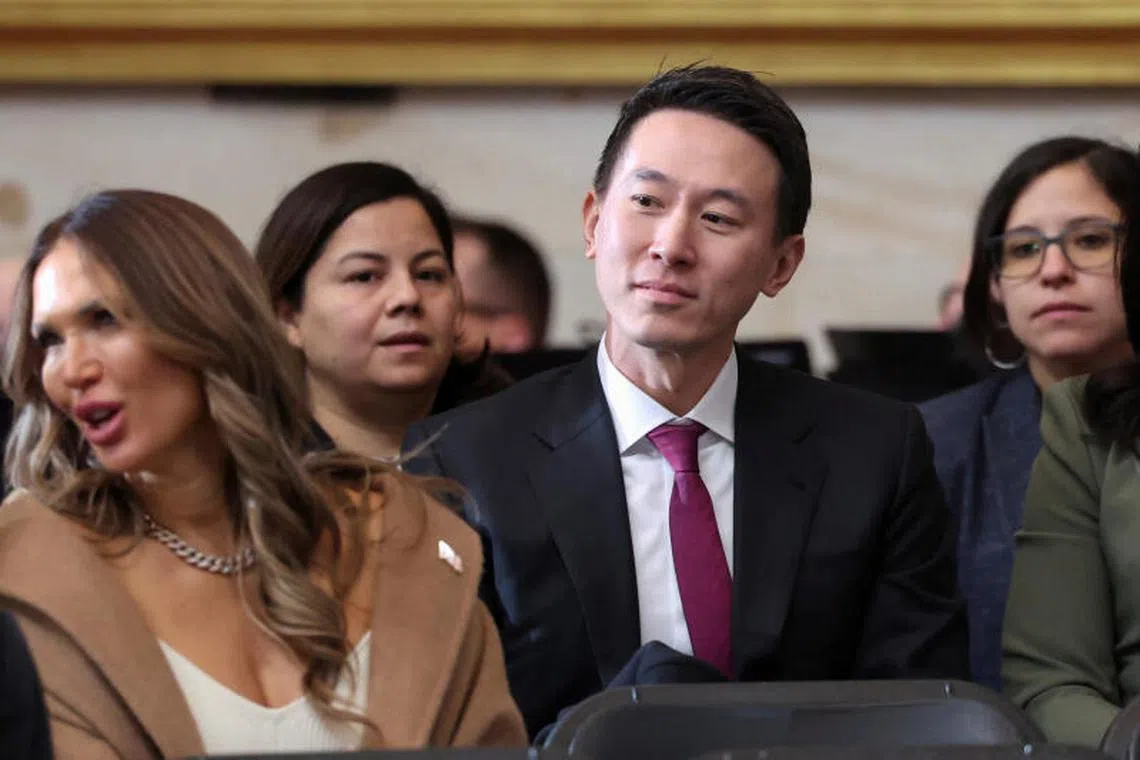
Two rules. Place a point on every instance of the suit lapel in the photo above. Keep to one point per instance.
(1012, 442)
(777, 483)
(79, 593)
(575, 471)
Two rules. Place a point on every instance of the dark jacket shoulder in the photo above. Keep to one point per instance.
(780, 395)
(509, 401)
(828, 395)
(969, 403)
(953, 421)
(845, 422)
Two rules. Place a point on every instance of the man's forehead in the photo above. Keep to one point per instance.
(668, 140)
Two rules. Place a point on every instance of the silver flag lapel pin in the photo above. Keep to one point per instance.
(448, 555)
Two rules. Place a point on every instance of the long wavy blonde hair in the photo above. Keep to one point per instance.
(191, 285)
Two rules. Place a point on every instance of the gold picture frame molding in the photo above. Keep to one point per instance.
(569, 42)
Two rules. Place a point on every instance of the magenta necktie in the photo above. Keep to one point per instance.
(698, 555)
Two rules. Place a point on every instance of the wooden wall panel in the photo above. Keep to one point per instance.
(570, 42)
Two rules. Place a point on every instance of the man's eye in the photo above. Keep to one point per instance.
(719, 219)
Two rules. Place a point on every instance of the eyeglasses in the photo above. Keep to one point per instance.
(1087, 246)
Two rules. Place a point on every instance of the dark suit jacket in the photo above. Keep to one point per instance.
(985, 440)
(844, 548)
(24, 729)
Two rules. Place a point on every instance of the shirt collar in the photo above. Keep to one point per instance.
(635, 413)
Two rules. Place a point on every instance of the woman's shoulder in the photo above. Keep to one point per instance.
(412, 504)
(1070, 438)
(406, 514)
(954, 420)
(24, 518)
(1065, 428)
(50, 561)
(966, 406)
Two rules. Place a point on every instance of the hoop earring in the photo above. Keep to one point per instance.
(1004, 365)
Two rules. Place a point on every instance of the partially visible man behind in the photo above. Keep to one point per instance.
(506, 288)
(950, 300)
(669, 488)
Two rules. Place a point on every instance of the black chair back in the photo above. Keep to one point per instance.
(1028, 752)
(684, 721)
(908, 365)
(418, 754)
(787, 353)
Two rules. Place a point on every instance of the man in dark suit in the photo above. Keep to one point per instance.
(668, 488)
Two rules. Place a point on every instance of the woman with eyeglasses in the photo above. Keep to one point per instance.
(1043, 302)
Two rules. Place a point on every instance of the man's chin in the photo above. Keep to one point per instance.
(665, 341)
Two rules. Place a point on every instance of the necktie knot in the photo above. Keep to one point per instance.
(678, 444)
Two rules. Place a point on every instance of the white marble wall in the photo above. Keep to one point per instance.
(897, 173)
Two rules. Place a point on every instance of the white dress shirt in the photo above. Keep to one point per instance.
(648, 481)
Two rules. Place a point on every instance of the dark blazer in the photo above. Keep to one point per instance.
(985, 439)
(24, 729)
(844, 548)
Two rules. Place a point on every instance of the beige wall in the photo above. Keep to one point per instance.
(897, 174)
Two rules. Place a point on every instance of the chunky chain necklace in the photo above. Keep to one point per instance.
(211, 563)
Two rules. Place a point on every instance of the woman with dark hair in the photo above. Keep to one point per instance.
(1071, 648)
(186, 581)
(1042, 301)
(359, 262)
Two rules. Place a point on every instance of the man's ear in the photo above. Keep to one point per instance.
(591, 210)
(789, 254)
(287, 317)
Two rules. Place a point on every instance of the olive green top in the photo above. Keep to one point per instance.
(1071, 643)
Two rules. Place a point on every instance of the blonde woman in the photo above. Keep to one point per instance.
(186, 582)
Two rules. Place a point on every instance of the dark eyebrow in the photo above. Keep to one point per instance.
(85, 312)
(379, 258)
(1085, 219)
(430, 253)
(651, 175)
(370, 256)
(731, 196)
(1074, 221)
(717, 193)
